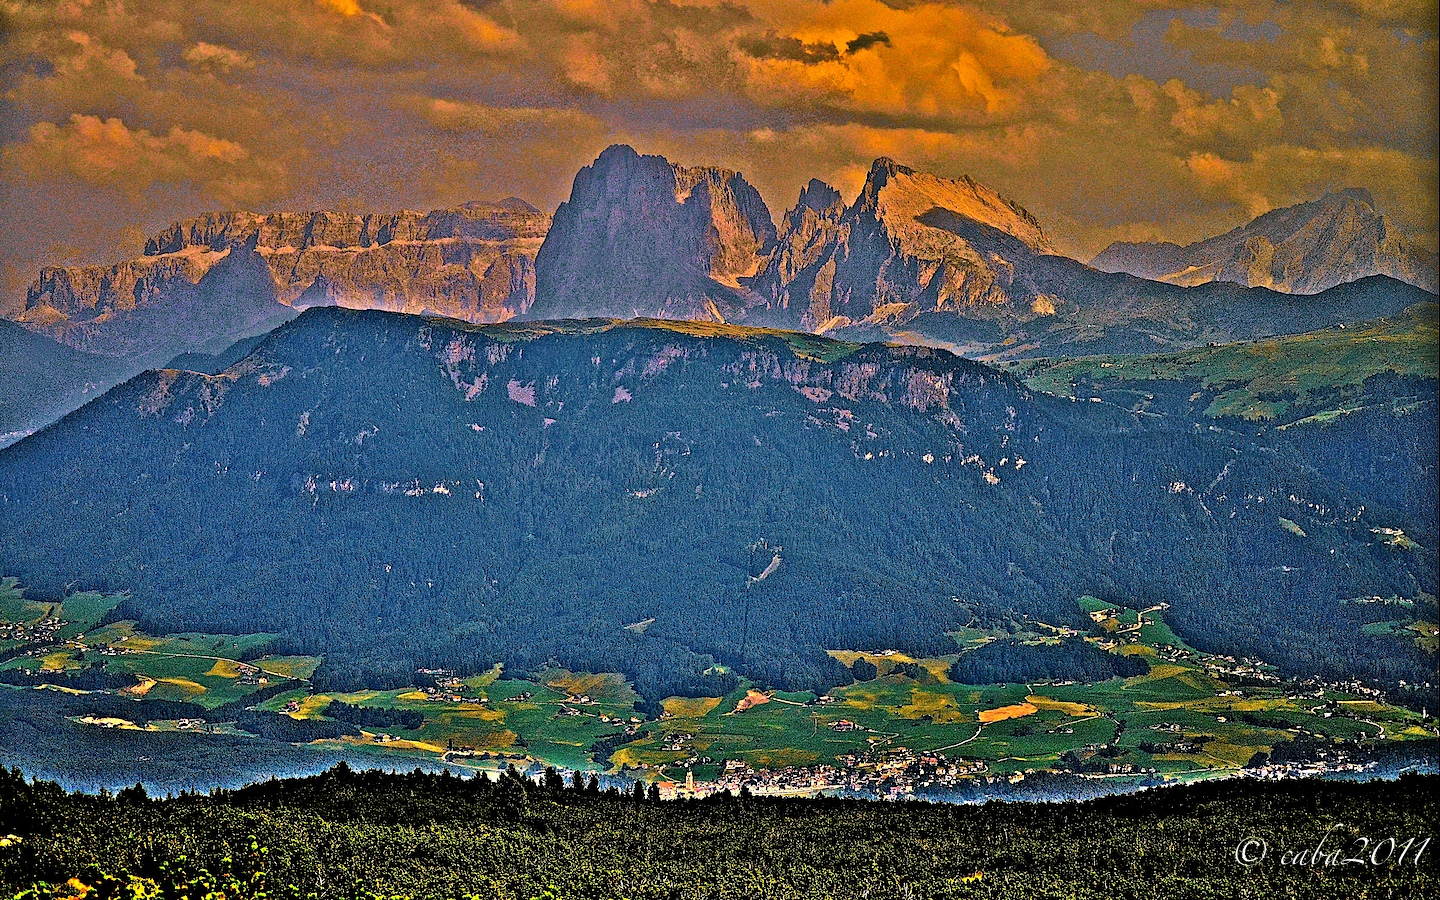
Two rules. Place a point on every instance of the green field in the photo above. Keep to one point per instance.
(1263, 379)
(207, 669)
(1213, 726)
(1190, 715)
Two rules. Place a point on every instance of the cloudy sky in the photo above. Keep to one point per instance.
(1108, 119)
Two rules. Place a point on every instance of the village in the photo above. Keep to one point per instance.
(41, 633)
(904, 774)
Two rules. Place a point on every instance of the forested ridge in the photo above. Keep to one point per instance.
(395, 491)
(350, 834)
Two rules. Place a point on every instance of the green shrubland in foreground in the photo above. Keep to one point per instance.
(347, 834)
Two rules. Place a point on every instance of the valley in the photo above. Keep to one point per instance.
(790, 662)
(902, 728)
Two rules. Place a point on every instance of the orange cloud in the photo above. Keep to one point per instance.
(108, 153)
(347, 8)
(213, 57)
(927, 60)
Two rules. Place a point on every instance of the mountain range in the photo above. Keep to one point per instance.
(206, 282)
(915, 257)
(1302, 249)
(526, 492)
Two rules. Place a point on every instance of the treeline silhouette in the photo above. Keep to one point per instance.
(347, 834)
(374, 716)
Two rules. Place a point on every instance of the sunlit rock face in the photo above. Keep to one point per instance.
(920, 258)
(641, 236)
(910, 243)
(221, 276)
(1300, 249)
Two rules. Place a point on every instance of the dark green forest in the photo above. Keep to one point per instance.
(1070, 660)
(394, 492)
(349, 834)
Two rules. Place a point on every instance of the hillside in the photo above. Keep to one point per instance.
(1267, 379)
(1358, 403)
(1300, 249)
(348, 834)
(1099, 313)
(41, 380)
(521, 493)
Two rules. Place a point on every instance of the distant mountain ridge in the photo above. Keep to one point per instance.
(41, 380)
(948, 262)
(916, 258)
(1300, 249)
(248, 271)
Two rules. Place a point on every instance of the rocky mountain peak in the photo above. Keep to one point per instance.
(508, 219)
(819, 197)
(474, 261)
(903, 195)
(514, 203)
(885, 167)
(911, 243)
(1360, 195)
(1300, 249)
(643, 236)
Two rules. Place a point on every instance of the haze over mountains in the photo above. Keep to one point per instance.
(1300, 249)
(395, 491)
(41, 379)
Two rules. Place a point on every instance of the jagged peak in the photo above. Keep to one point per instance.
(1358, 194)
(616, 153)
(220, 229)
(624, 155)
(894, 190)
(622, 158)
(818, 196)
(884, 166)
(1338, 237)
(510, 203)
